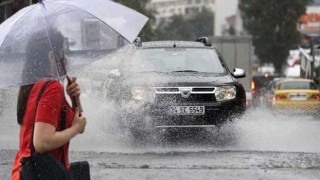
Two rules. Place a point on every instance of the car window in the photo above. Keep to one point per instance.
(274, 84)
(176, 59)
(297, 85)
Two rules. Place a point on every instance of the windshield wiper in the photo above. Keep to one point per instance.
(186, 71)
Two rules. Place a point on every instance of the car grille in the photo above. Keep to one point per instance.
(184, 94)
(164, 89)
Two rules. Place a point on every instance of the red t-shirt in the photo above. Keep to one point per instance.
(48, 111)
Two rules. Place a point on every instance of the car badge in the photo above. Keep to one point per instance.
(185, 92)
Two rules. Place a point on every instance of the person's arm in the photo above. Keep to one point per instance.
(73, 90)
(46, 138)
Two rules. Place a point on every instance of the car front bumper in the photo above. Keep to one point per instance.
(215, 113)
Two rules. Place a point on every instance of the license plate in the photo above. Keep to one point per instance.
(186, 110)
(298, 97)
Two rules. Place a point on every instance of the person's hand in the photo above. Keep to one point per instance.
(73, 88)
(79, 122)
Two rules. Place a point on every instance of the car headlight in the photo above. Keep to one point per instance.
(224, 93)
(143, 94)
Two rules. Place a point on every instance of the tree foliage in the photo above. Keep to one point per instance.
(140, 6)
(181, 28)
(200, 24)
(273, 26)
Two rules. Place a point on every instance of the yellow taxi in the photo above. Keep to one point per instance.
(297, 96)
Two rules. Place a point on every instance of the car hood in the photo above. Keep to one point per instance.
(176, 79)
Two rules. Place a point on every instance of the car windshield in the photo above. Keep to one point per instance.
(297, 85)
(176, 60)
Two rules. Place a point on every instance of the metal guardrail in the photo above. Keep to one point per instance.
(307, 66)
(316, 58)
(306, 63)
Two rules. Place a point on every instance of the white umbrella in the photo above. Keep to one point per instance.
(90, 30)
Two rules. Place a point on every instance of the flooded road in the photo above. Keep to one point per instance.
(257, 146)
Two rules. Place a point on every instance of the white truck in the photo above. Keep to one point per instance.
(237, 51)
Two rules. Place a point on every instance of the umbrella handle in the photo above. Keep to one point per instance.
(75, 101)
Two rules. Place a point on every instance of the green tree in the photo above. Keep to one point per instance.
(146, 33)
(181, 28)
(175, 29)
(202, 23)
(273, 26)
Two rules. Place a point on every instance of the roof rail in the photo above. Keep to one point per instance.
(137, 42)
(204, 40)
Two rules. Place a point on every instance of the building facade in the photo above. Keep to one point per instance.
(310, 21)
(227, 18)
(167, 8)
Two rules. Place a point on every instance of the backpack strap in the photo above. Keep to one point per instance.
(63, 123)
(62, 120)
(44, 86)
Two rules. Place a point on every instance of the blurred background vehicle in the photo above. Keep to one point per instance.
(297, 96)
(269, 94)
(248, 99)
(259, 86)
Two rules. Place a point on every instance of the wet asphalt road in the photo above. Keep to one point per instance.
(192, 165)
(257, 146)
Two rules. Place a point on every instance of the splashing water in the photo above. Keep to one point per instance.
(257, 130)
(262, 131)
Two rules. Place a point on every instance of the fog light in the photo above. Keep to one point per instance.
(143, 94)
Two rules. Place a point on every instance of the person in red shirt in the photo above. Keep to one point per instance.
(44, 117)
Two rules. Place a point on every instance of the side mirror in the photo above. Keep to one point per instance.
(114, 73)
(239, 73)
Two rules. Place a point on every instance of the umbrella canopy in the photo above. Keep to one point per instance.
(56, 37)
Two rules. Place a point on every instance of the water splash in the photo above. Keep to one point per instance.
(257, 130)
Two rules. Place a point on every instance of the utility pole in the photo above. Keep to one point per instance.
(312, 56)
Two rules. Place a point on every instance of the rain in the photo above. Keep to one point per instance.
(257, 141)
(121, 142)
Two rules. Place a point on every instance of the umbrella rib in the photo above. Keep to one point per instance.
(56, 59)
